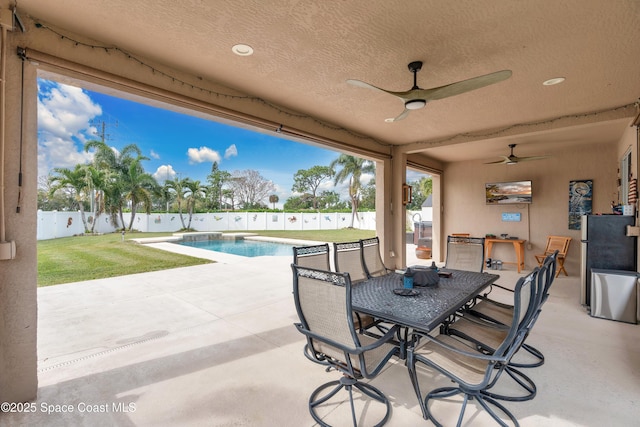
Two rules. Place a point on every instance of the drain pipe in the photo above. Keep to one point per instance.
(7, 249)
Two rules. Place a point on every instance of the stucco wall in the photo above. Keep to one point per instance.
(465, 210)
(18, 277)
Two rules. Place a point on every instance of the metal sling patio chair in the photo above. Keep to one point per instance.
(314, 256)
(474, 371)
(347, 258)
(495, 312)
(372, 259)
(323, 303)
(465, 253)
(486, 335)
(317, 256)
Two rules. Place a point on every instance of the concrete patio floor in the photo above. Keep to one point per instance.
(214, 345)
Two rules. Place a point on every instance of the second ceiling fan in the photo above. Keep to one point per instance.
(417, 98)
(512, 159)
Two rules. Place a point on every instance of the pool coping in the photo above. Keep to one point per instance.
(168, 243)
(206, 235)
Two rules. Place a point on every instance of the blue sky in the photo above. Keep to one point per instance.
(177, 145)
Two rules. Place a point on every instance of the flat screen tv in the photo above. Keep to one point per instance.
(504, 193)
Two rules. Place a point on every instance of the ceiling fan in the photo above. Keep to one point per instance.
(512, 159)
(417, 98)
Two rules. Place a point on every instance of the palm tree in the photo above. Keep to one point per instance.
(352, 169)
(78, 181)
(274, 199)
(164, 196)
(194, 191)
(138, 187)
(117, 165)
(177, 187)
(98, 179)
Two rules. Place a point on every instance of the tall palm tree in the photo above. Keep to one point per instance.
(138, 187)
(116, 164)
(351, 168)
(177, 186)
(193, 191)
(78, 181)
(98, 179)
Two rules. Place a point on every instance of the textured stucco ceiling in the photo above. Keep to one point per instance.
(305, 50)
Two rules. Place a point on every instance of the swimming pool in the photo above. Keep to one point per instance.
(248, 248)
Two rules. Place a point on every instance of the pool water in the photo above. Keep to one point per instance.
(248, 248)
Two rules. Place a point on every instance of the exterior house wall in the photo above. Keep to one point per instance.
(465, 210)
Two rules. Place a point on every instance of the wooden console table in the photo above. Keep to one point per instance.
(518, 247)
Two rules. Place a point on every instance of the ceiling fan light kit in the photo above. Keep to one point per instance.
(416, 98)
(415, 104)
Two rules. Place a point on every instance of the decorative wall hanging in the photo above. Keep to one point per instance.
(580, 198)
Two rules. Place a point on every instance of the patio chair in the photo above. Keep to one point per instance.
(556, 243)
(487, 335)
(372, 259)
(347, 257)
(492, 311)
(465, 253)
(474, 371)
(315, 256)
(323, 303)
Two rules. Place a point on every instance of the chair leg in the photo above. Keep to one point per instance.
(534, 352)
(483, 400)
(522, 380)
(348, 384)
(561, 267)
(413, 375)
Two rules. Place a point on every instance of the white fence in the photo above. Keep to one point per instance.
(56, 224)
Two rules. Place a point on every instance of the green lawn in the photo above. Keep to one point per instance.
(73, 259)
(78, 258)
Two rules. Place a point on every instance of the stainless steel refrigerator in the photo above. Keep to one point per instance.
(605, 245)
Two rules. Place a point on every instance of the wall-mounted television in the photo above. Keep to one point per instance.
(504, 193)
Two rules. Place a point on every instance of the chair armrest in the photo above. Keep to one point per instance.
(382, 340)
(351, 350)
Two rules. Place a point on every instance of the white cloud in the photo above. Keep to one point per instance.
(64, 124)
(154, 155)
(164, 173)
(203, 154)
(231, 151)
(66, 112)
(365, 178)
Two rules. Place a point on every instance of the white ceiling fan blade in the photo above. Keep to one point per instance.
(365, 85)
(457, 88)
(526, 159)
(402, 115)
(504, 160)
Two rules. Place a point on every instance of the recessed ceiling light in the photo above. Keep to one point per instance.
(389, 120)
(553, 81)
(242, 50)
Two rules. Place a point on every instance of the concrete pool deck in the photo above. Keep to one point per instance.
(214, 345)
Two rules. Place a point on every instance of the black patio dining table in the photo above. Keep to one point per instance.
(425, 311)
